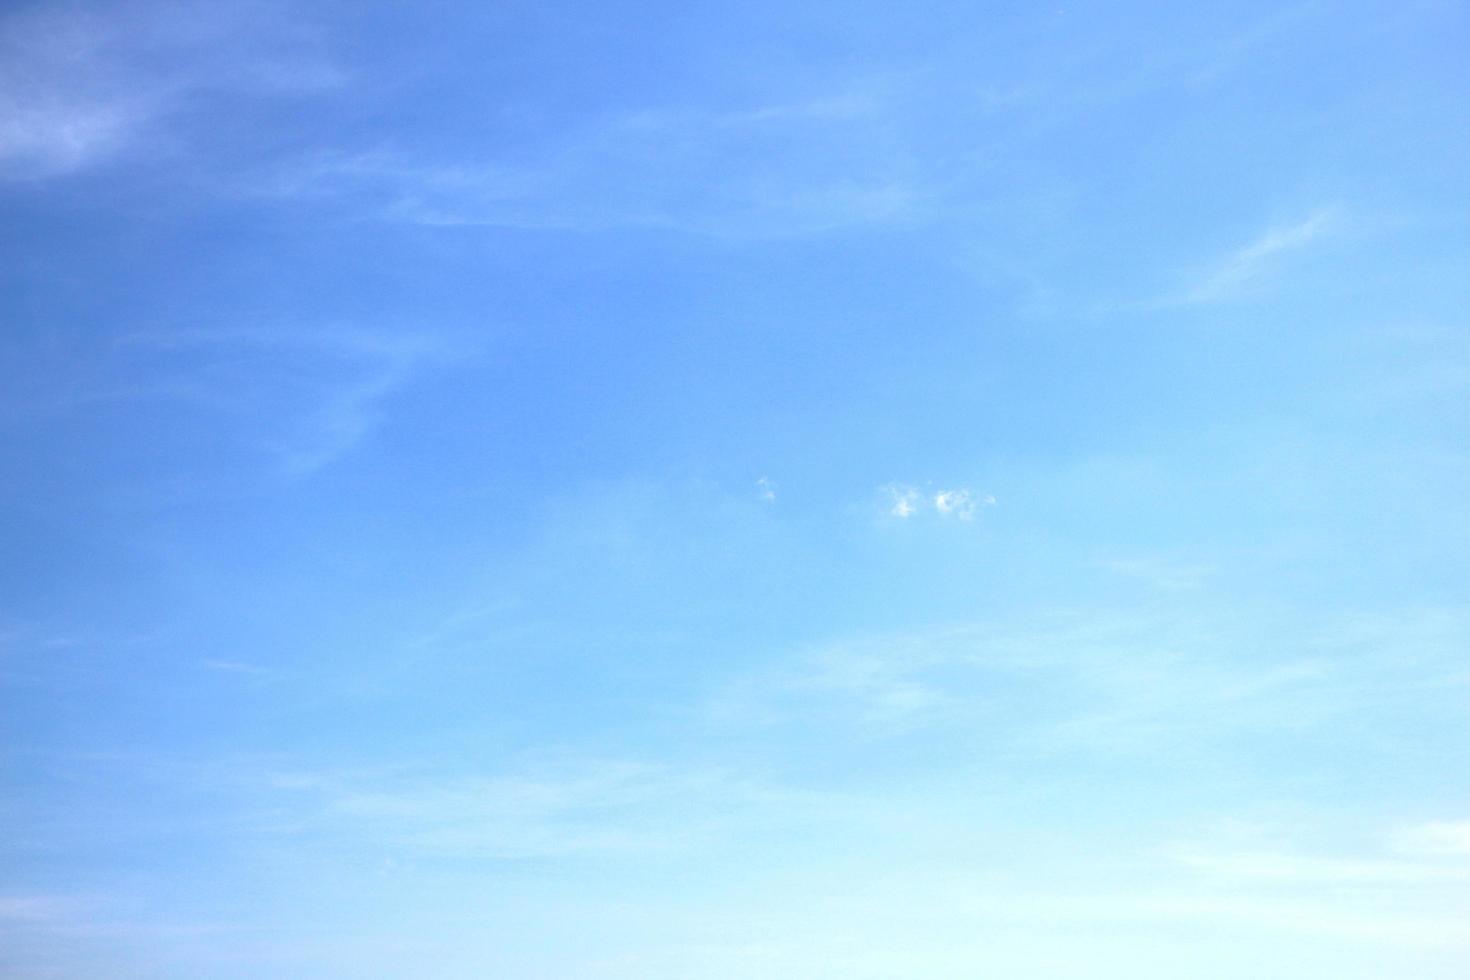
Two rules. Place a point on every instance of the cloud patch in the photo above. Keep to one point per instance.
(83, 86)
(905, 501)
(960, 504)
(1250, 266)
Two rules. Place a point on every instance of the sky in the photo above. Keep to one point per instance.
(701, 492)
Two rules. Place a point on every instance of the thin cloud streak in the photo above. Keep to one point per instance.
(302, 397)
(1247, 268)
(1097, 683)
(1303, 869)
(1443, 839)
(772, 171)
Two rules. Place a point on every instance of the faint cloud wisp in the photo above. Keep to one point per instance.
(81, 86)
(1249, 266)
(303, 398)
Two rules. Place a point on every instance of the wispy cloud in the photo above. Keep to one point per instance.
(62, 105)
(1248, 267)
(859, 683)
(80, 87)
(761, 171)
(904, 501)
(1410, 859)
(1316, 869)
(1439, 839)
(300, 397)
(545, 808)
(1260, 913)
(34, 908)
(1161, 572)
(1099, 682)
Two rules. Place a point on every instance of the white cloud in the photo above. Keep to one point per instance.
(1249, 265)
(905, 500)
(960, 503)
(766, 489)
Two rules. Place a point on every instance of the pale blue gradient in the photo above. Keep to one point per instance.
(662, 492)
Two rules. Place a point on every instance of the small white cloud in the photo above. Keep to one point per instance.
(766, 489)
(957, 503)
(905, 500)
(961, 503)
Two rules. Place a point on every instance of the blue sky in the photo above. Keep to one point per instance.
(648, 491)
